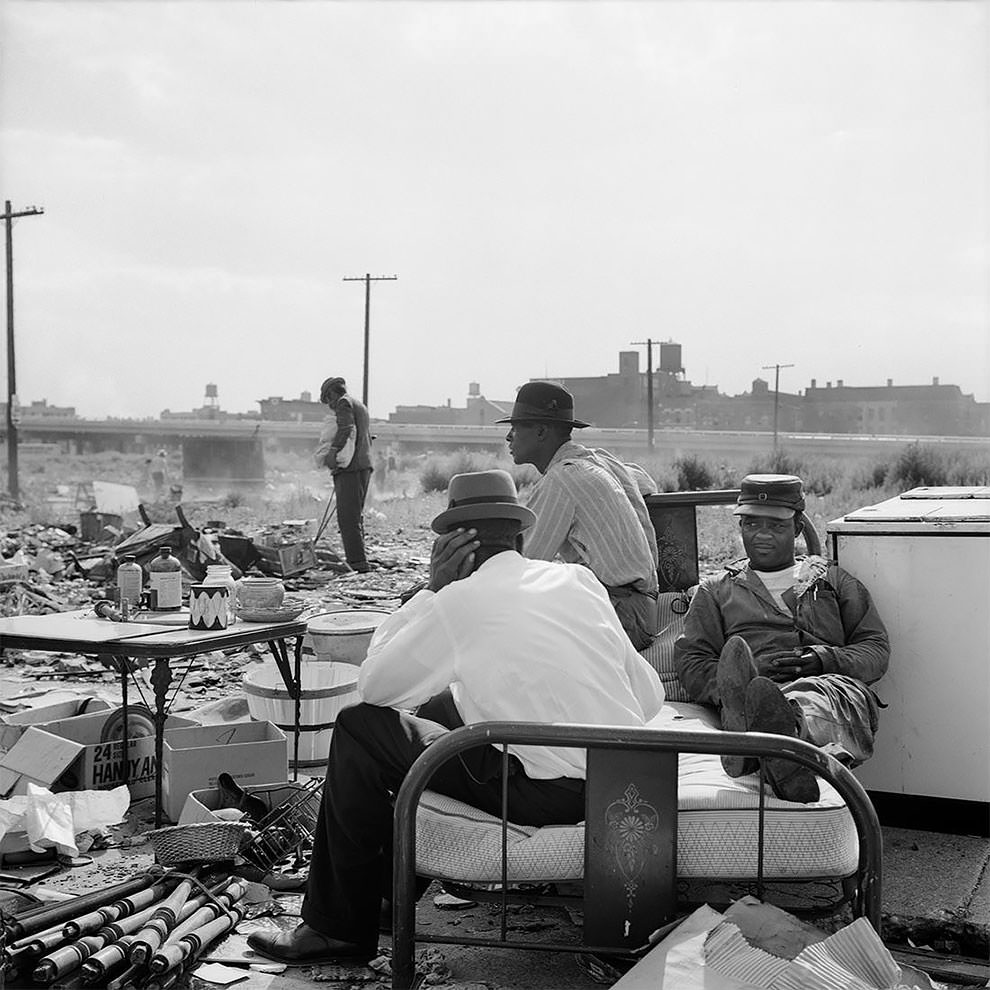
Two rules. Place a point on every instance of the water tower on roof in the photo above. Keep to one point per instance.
(211, 402)
(670, 358)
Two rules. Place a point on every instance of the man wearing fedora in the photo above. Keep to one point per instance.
(515, 640)
(783, 644)
(589, 507)
(347, 453)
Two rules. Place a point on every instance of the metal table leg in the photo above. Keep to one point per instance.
(161, 678)
(292, 679)
(125, 770)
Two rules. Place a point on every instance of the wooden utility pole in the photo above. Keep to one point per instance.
(648, 343)
(368, 279)
(776, 394)
(13, 415)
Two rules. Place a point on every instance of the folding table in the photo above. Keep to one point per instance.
(148, 639)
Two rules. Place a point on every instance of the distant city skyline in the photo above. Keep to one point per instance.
(801, 183)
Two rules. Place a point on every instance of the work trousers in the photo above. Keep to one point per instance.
(351, 489)
(371, 751)
(838, 714)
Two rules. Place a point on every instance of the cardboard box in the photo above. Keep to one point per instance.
(251, 752)
(14, 725)
(71, 755)
(201, 805)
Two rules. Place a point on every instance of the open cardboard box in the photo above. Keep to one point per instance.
(68, 705)
(81, 754)
(251, 752)
(201, 805)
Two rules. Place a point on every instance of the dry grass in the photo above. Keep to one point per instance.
(397, 505)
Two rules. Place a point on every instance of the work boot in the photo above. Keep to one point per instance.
(735, 670)
(767, 710)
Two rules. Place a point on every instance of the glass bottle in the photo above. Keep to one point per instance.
(165, 579)
(130, 580)
(221, 574)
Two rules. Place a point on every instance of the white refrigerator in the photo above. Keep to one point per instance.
(925, 558)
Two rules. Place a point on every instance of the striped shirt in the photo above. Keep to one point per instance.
(589, 511)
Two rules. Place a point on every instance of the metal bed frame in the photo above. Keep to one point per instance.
(866, 896)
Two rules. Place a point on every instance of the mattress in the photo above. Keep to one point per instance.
(717, 829)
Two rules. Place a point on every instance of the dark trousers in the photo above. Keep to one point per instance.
(351, 489)
(371, 751)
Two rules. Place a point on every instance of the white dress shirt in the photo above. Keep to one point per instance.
(520, 641)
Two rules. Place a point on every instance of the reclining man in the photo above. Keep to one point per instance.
(785, 645)
(588, 505)
(514, 639)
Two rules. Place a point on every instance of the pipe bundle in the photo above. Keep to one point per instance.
(145, 929)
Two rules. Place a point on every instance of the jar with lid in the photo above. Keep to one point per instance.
(221, 575)
(165, 579)
(130, 581)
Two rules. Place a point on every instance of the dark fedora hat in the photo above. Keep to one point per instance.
(779, 496)
(482, 495)
(543, 402)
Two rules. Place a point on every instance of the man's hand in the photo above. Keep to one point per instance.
(789, 665)
(452, 557)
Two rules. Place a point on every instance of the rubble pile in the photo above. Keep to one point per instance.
(50, 568)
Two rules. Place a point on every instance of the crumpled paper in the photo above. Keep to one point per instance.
(711, 951)
(52, 821)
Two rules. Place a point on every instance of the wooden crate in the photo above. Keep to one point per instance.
(287, 558)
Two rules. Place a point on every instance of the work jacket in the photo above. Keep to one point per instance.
(834, 616)
(350, 449)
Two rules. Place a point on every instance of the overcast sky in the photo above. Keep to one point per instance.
(803, 183)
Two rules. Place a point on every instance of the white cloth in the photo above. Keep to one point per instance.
(519, 640)
(777, 582)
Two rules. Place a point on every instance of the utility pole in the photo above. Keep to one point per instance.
(12, 416)
(368, 279)
(776, 394)
(648, 343)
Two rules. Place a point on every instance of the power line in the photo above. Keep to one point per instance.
(368, 279)
(776, 394)
(12, 415)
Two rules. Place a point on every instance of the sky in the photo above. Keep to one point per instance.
(798, 183)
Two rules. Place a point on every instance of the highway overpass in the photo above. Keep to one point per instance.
(81, 435)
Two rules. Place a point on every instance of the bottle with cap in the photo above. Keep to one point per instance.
(165, 579)
(130, 580)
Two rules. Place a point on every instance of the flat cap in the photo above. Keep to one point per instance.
(779, 496)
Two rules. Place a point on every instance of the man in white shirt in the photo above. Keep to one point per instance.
(514, 640)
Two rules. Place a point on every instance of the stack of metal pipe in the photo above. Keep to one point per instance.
(142, 932)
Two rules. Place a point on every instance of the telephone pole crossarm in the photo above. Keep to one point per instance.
(776, 394)
(368, 279)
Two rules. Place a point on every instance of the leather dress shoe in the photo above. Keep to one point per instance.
(767, 710)
(305, 946)
(735, 670)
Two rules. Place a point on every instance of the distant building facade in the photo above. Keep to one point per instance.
(936, 409)
(478, 411)
(301, 410)
(40, 409)
(620, 400)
